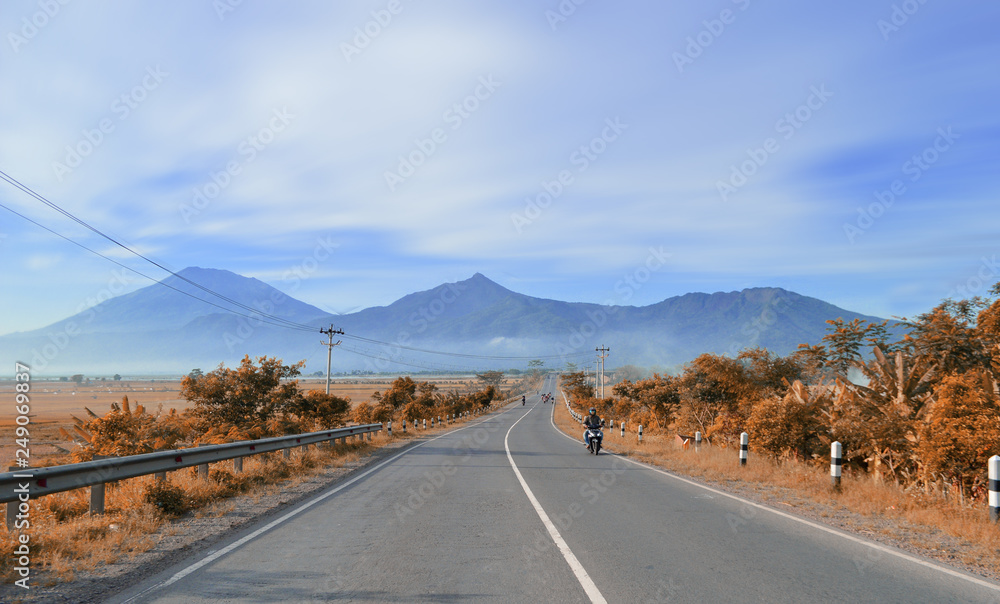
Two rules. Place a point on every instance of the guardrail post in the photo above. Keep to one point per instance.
(744, 448)
(286, 453)
(697, 441)
(158, 476)
(237, 464)
(836, 464)
(97, 492)
(202, 468)
(640, 432)
(994, 488)
(97, 500)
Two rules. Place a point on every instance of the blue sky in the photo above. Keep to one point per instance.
(750, 142)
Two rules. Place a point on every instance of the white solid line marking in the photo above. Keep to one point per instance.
(581, 573)
(816, 525)
(213, 556)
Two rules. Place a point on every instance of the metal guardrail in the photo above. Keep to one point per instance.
(37, 482)
(18, 486)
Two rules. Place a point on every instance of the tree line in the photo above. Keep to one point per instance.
(922, 409)
(261, 399)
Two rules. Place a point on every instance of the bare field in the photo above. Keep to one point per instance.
(54, 403)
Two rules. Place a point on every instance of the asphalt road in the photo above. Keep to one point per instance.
(509, 509)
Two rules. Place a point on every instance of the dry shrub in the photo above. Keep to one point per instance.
(166, 497)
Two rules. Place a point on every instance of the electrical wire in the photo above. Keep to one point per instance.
(24, 188)
(257, 314)
(141, 274)
(467, 356)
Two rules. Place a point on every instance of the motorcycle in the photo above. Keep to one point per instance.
(595, 436)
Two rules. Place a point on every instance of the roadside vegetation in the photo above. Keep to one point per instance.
(918, 417)
(921, 412)
(255, 400)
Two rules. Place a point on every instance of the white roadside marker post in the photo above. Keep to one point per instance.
(994, 488)
(836, 464)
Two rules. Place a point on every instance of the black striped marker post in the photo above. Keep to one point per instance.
(640, 432)
(744, 448)
(425, 423)
(994, 474)
(697, 442)
(390, 427)
(836, 463)
(623, 429)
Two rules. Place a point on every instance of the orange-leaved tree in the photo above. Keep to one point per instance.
(245, 398)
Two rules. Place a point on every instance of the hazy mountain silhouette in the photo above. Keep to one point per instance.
(158, 330)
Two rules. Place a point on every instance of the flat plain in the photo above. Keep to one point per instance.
(55, 403)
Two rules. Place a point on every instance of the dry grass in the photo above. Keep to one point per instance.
(66, 540)
(53, 404)
(936, 527)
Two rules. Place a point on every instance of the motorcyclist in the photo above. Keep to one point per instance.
(592, 421)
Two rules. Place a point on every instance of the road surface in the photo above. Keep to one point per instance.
(508, 509)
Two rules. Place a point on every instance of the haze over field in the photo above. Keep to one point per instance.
(349, 154)
(159, 330)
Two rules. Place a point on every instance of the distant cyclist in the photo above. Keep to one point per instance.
(522, 399)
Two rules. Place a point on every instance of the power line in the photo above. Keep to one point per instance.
(467, 356)
(141, 274)
(26, 189)
(257, 315)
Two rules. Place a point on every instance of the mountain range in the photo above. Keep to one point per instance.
(174, 326)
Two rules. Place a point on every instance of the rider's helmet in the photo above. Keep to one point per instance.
(593, 411)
